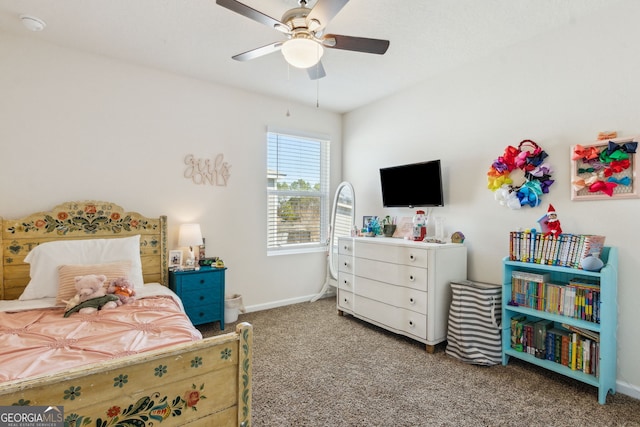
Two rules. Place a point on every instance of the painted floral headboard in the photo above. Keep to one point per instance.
(79, 220)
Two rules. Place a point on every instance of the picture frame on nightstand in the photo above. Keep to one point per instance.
(175, 259)
(202, 250)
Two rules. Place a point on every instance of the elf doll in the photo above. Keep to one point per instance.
(552, 222)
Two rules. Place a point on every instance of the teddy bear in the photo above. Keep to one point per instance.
(123, 289)
(90, 295)
(90, 286)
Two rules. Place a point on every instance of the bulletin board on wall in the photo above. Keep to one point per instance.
(604, 170)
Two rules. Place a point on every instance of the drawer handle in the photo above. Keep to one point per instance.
(201, 297)
(346, 248)
(201, 281)
(412, 301)
(201, 314)
(346, 264)
(346, 282)
(346, 300)
(412, 257)
(411, 323)
(411, 278)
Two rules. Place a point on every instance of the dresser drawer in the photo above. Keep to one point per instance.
(395, 274)
(345, 246)
(201, 313)
(401, 320)
(413, 256)
(205, 296)
(198, 281)
(345, 300)
(345, 263)
(397, 296)
(345, 281)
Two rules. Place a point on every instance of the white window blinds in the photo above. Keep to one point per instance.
(297, 192)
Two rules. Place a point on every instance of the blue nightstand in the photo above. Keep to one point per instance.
(202, 293)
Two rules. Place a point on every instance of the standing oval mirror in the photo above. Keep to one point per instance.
(342, 221)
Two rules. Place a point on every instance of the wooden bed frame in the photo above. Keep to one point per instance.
(206, 382)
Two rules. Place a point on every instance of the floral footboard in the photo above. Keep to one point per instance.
(203, 383)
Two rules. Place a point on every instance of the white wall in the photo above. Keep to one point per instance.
(80, 127)
(558, 90)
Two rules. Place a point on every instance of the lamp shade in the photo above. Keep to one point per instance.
(190, 235)
(302, 52)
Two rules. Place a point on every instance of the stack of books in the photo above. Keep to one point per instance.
(573, 347)
(579, 299)
(564, 250)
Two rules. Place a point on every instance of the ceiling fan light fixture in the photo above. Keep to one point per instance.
(302, 52)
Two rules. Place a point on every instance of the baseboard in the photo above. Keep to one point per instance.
(282, 303)
(628, 389)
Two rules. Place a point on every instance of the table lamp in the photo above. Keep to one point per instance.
(190, 235)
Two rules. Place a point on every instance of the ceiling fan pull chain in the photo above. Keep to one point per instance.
(317, 93)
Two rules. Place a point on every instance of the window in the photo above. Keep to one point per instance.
(297, 193)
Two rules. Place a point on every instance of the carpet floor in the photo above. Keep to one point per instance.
(312, 367)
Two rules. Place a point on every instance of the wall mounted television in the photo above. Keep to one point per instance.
(411, 185)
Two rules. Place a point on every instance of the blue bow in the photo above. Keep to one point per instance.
(529, 194)
(622, 181)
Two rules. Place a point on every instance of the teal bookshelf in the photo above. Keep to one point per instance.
(607, 278)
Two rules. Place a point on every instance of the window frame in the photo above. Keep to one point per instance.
(275, 248)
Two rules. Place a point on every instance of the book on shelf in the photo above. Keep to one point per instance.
(586, 356)
(593, 336)
(559, 338)
(540, 340)
(516, 332)
(592, 246)
(564, 356)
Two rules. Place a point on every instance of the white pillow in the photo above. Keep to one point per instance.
(46, 257)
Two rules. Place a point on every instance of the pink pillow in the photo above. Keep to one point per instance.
(68, 273)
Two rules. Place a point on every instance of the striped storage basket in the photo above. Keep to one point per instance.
(473, 333)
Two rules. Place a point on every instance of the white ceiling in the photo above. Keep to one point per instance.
(197, 38)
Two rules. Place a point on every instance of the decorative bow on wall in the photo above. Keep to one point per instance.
(528, 158)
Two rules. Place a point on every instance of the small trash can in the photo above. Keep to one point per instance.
(232, 306)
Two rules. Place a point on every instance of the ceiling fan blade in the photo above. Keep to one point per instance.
(358, 44)
(316, 72)
(324, 11)
(257, 52)
(251, 13)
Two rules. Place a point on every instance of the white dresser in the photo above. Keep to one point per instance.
(400, 285)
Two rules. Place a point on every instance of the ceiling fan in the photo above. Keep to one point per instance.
(304, 29)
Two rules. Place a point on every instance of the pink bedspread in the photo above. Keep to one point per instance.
(35, 342)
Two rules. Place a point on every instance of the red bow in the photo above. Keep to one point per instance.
(586, 153)
(509, 157)
(618, 166)
(605, 187)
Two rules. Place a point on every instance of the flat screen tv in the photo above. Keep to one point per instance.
(411, 185)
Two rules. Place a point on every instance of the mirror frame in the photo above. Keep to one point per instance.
(332, 238)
